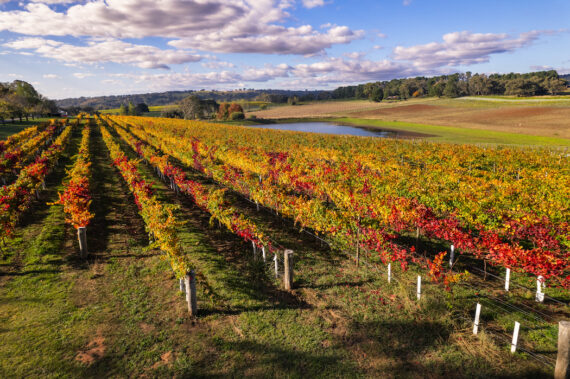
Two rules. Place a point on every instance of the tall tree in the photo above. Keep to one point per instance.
(192, 108)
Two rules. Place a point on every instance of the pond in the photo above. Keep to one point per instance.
(329, 128)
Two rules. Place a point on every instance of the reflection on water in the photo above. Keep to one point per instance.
(328, 128)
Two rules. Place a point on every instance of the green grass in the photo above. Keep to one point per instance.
(41, 326)
(10, 128)
(340, 321)
(457, 135)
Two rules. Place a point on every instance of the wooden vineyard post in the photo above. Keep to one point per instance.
(190, 284)
(562, 370)
(288, 269)
(82, 237)
(418, 239)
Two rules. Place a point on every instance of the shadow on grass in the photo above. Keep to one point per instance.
(112, 205)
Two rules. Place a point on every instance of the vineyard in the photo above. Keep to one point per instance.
(194, 247)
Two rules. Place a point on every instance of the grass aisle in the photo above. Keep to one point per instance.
(39, 325)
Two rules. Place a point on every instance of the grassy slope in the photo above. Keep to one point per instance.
(9, 128)
(346, 301)
(120, 311)
(40, 324)
(459, 135)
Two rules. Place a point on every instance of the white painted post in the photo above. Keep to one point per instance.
(452, 256)
(263, 253)
(82, 237)
(190, 283)
(476, 321)
(254, 250)
(515, 337)
(507, 279)
(539, 292)
(562, 370)
(276, 260)
(389, 272)
(181, 283)
(288, 269)
(419, 287)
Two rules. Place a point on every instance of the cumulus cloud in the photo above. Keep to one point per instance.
(273, 40)
(268, 72)
(559, 70)
(218, 64)
(313, 3)
(339, 70)
(185, 80)
(51, 76)
(82, 75)
(106, 50)
(463, 48)
(211, 25)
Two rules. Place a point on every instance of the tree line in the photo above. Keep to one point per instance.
(173, 97)
(456, 85)
(193, 107)
(19, 100)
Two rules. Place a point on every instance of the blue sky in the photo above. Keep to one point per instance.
(89, 48)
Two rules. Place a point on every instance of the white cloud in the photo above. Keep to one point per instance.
(106, 50)
(210, 25)
(266, 73)
(273, 40)
(51, 76)
(55, 1)
(463, 48)
(313, 3)
(338, 70)
(82, 75)
(406, 2)
(170, 81)
(218, 64)
(560, 70)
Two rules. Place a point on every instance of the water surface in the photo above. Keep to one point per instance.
(328, 128)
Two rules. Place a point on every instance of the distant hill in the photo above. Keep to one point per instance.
(567, 77)
(171, 97)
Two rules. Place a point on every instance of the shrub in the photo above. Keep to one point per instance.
(237, 116)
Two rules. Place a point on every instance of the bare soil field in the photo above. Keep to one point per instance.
(315, 110)
(542, 121)
(548, 121)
